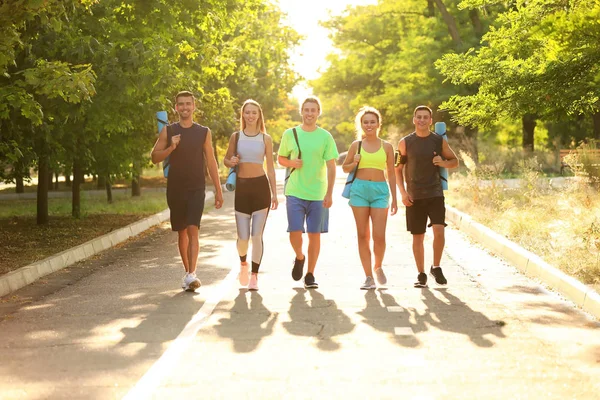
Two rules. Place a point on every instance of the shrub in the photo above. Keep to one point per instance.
(585, 162)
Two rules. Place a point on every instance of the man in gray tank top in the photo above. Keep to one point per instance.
(420, 156)
(189, 147)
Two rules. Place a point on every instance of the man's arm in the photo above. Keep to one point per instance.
(451, 159)
(328, 200)
(406, 200)
(160, 151)
(286, 162)
(213, 169)
(283, 156)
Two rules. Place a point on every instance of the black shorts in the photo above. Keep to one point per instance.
(417, 214)
(186, 208)
(252, 194)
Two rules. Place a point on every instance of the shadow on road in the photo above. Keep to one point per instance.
(377, 315)
(547, 312)
(322, 319)
(456, 316)
(245, 324)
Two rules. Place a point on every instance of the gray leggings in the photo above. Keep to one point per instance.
(251, 225)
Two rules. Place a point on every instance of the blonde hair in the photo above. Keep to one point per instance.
(261, 119)
(360, 134)
(311, 99)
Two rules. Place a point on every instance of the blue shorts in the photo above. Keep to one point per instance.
(317, 217)
(369, 194)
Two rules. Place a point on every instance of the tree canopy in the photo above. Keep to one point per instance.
(476, 63)
(81, 80)
(542, 58)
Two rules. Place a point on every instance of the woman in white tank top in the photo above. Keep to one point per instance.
(255, 194)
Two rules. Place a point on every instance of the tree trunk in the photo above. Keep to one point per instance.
(472, 134)
(56, 181)
(529, 123)
(135, 186)
(430, 8)
(135, 180)
(476, 22)
(18, 174)
(108, 191)
(20, 186)
(596, 118)
(101, 182)
(80, 177)
(76, 194)
(67, 177)
(450, 23)
(42, 190)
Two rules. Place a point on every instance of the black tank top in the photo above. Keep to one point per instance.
(422, 176)
(186, 171)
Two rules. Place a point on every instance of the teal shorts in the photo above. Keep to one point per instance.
(369, 194)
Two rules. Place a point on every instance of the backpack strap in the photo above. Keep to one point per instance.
(237, 139)
(356, 169)
(299, 153)
(298, 144)
(169, 135)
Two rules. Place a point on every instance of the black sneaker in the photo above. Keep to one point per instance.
(309, 281)
(298, 269)
(421, 280)
(438, 275)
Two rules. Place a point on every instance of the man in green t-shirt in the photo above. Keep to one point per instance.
(310, 154)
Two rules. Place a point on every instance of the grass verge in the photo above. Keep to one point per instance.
(559, 224)
(89, 184)
(23, 242)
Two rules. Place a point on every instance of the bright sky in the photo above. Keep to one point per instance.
(304, 17)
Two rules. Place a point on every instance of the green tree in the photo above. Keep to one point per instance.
(541, 62)
(132, 58)
(387, 53)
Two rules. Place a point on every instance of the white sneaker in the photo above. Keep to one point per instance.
(369, 284)
(191, 282)
(243, 276)
(381, 278)
(253, 285)
(183, 285)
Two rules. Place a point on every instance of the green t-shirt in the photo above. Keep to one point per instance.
(318, 146)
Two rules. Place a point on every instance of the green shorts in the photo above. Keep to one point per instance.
(369, 194)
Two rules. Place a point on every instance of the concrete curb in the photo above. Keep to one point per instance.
(527, 262)
(23, 276)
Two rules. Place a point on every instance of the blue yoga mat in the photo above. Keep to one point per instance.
(440, 129)
(162, 121)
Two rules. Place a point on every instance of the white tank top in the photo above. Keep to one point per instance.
(251, 149)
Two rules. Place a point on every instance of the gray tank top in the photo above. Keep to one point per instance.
(251, 149)
(421, 175)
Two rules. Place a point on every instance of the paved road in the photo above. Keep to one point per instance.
(118, 326)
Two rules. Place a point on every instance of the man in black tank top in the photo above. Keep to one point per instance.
(189, 148)
(421, 154)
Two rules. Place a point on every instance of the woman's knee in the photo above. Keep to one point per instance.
(379, 238)
(363, 236)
